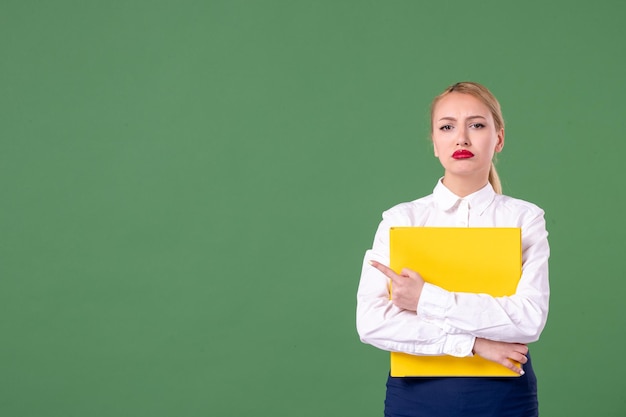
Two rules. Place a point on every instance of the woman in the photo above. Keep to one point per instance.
(467, 130)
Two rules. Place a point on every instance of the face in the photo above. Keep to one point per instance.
(464, 136)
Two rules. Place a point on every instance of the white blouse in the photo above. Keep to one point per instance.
(448, 322)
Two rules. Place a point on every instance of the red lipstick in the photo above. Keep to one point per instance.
(462, 154)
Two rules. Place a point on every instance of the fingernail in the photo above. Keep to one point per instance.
(371, 262)
(522, 372)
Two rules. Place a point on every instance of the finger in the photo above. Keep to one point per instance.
(519, 357)
(520, 347)
(385, 270)
(513, 367)
(408, 273)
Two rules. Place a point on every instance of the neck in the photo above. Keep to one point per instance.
(464, 186)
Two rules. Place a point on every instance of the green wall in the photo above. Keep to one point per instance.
(187, 189)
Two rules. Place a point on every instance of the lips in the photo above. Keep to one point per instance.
(462, 154)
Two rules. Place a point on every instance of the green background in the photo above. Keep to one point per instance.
(187, 189)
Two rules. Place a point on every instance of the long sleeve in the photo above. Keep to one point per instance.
(382, 324)
(449, 322)
(517, 318)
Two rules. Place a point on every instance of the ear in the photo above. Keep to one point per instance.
(434, 147)
(500, 142)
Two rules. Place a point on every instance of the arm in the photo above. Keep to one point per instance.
(386, 326)
(407, 288)
(518, 318)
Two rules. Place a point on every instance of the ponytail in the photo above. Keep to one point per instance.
(494, 179)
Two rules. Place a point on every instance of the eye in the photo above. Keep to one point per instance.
(446, 127)
(477, 125)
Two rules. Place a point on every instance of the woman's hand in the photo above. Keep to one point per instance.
(406, 287)
(502, 352)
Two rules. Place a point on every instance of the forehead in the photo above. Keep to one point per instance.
(460, 105)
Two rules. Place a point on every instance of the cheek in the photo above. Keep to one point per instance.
(435, 146)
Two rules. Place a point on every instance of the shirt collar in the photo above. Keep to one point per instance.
(446, 200)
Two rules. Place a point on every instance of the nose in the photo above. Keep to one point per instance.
(463, 137)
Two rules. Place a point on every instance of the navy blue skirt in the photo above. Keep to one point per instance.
(463, 397)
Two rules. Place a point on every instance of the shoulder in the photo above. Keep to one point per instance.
(518, 207)
(409, 213)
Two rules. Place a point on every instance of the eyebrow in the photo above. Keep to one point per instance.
(471, 117)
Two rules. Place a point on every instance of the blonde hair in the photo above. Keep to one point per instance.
(480, 92)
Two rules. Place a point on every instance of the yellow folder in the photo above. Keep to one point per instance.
(478, 260)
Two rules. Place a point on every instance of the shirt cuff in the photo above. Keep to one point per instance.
(434, 302)
(459, 345)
